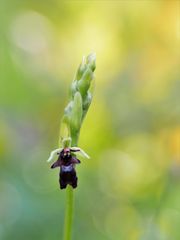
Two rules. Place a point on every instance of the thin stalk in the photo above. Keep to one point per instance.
(69, 213)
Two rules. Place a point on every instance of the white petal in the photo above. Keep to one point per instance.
(53, 154)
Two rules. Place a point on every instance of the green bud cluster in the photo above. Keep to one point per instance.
(80, 99)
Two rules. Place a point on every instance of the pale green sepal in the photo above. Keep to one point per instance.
(81, 152)
(54, 153)
(66, 142)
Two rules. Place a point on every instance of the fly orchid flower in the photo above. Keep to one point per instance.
(67, 161)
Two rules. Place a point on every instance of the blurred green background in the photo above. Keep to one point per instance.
(130, 188)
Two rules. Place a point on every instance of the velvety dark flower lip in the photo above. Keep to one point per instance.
(67, 161)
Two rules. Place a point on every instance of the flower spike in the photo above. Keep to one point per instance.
(74, 113)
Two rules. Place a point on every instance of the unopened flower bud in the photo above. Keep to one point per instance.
(91, 61)
(81, 69)
(85, 81)
(76, 114)
(86, 103)
(73, 88)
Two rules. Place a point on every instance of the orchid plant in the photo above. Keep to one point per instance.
(74, 114)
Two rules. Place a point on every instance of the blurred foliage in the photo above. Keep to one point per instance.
(129, 189)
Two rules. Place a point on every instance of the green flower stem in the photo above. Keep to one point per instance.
(74, 114)
(69, 213)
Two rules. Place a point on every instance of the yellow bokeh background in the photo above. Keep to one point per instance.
(129, 189)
